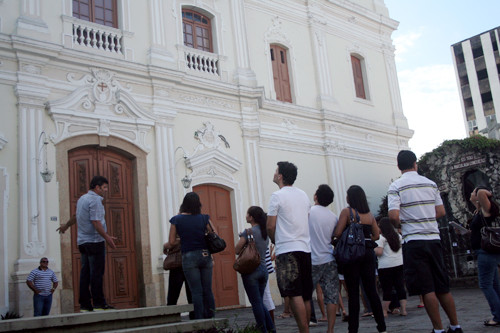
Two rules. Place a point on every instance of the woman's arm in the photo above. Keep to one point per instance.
(239, 246)
(379, 251)
(341, 224)
(172, 237)
(375, 229)
(484, 200)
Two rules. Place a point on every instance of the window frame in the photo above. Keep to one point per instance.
(284, 56)
(194, 24)
(92, 13)
(358, 68)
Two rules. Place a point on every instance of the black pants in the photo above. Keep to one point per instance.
(363, 270)
(175, 280)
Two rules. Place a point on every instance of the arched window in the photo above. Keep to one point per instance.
(280, 73)
(359, 74)
(103, 12)
(197, 30)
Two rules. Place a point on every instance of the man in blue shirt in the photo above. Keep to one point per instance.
(92, 238)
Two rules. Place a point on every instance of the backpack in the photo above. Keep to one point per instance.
(351, 245)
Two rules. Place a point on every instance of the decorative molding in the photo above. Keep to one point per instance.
(198, 99)
(209, 138)
(213, 164)
(3, 141)
(103, 106)
(276, 34)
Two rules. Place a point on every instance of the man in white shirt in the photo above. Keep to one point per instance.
(322, 222)
(288, 228)
(414, 204)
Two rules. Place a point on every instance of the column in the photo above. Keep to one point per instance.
(244, 74)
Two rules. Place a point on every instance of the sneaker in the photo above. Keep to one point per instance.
(457, 330)
(104, 307)
(85, 309)
(312, 324)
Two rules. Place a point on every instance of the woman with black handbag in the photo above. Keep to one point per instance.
(363, 269)
(487, 263)
(255, 282)
(190, 225)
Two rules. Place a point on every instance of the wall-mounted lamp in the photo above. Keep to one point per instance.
(45, 173)
(186, 180)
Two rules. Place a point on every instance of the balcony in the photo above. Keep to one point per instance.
(93, 37)
(200, 62)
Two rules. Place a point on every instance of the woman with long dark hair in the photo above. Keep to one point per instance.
(255, 282)
(190, 225)
(363, 269)
(487, 263)
(390, 265)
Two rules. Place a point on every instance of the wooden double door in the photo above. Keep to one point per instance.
(216, 202)
(120, 276)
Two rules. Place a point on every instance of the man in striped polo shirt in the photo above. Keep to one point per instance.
(414, 204)
(43, 282)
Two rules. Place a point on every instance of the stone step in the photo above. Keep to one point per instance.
(110, 320)
(184, 326)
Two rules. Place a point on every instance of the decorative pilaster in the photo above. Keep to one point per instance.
(158, 53)
(244, 74)
(30, 21)
(4, 272)
(251, 134)
(316, 21)
(392, 78)
(335, 172)
(167, 184)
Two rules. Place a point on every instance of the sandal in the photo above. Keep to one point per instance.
(285, 315)
(366, 314)
(491, 323)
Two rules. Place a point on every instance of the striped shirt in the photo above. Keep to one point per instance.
(89, 208)
(42, 280)
(416, 198)
(269, 263)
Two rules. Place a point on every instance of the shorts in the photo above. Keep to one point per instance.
(293, 272)
(327, 277)
(424, 267)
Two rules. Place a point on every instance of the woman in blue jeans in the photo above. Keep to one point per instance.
(190, 225)
(255, 282)
(487, 263)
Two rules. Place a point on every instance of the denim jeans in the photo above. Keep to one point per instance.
(42, 305)
(255, 284)
(197, 266)
(93, 258)
(487, 268)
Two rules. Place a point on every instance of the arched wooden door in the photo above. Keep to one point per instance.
(216, 202)
(120, 276)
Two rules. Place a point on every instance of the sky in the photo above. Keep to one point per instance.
(429, 91)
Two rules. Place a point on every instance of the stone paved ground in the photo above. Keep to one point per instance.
(471, 306)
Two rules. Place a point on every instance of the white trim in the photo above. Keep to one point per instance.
(5, 237)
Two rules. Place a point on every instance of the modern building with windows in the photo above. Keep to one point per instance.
(163, 97)
(477, 67)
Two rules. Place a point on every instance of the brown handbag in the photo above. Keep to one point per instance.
(173, 259)
(249, 258)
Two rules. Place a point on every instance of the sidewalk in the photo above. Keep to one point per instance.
(472, 310)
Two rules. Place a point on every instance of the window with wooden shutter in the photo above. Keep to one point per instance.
(197, 30)
(280, 73)
(357, 72)
(103, 12)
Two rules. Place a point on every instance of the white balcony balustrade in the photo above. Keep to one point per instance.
(98, 37)
(202, 62)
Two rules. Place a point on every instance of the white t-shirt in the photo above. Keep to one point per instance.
(291, 207)
(322, 222)
(389, 258)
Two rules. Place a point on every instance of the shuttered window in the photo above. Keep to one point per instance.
(280, 73)
(197, 30)
(358, 77)
(103, 12)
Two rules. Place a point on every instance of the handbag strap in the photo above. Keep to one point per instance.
(209, 225)
(250, 237)
(352, 217)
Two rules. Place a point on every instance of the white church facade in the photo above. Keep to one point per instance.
(214, 92)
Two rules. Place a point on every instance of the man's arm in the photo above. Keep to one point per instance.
(54, 286)
(32, 286)
(271, 227)
(109, 239)
(394, 217)
(62, 229)
(440, 211)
